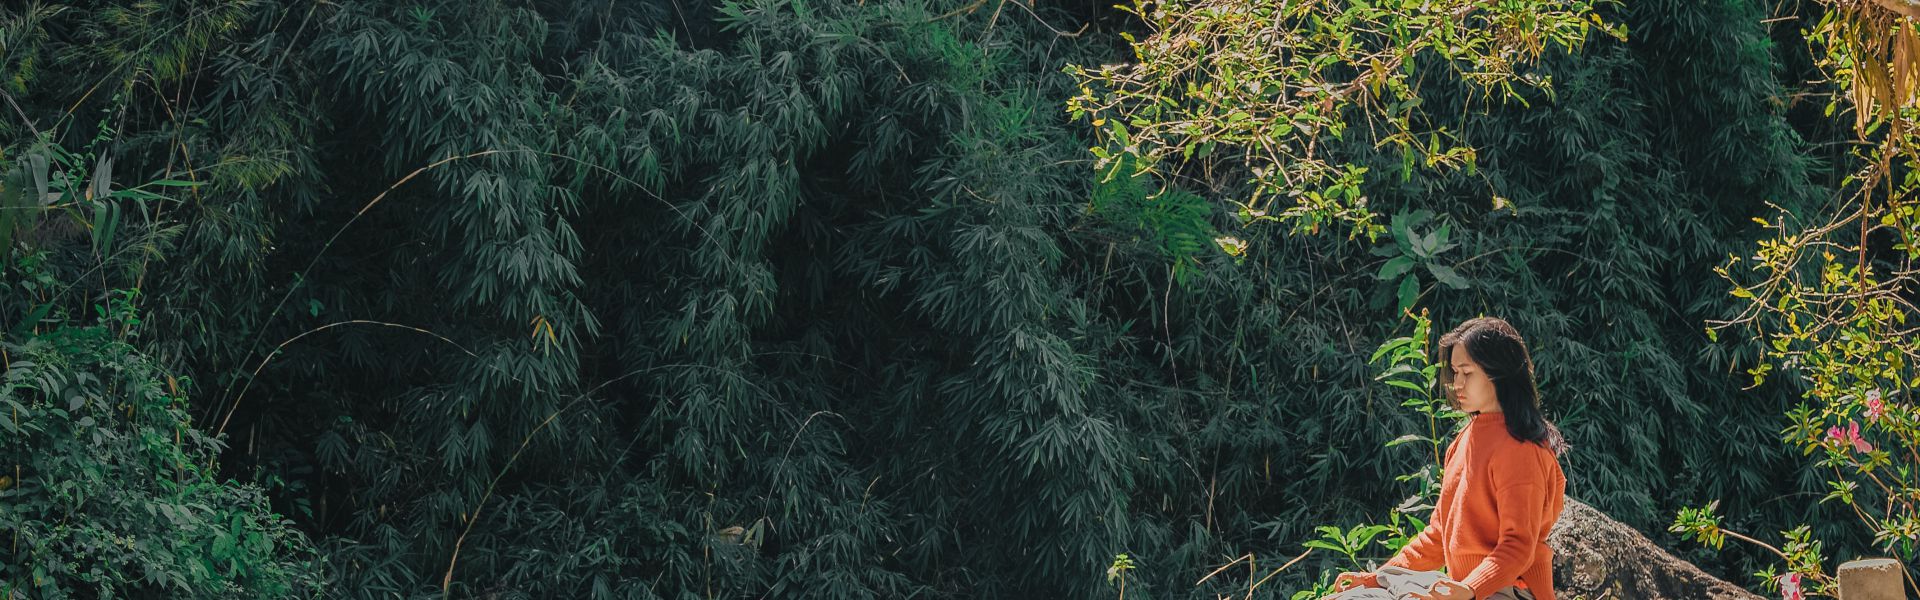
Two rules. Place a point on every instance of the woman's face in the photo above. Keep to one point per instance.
(1472, 390)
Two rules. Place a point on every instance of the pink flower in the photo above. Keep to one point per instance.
(1790, 587)
(1850, 435)
(1875, 407)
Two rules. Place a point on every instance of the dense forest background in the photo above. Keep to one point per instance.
(777, 298)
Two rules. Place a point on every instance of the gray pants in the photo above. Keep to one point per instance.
(1397, 583)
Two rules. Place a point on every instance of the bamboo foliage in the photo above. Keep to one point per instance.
(770, 298)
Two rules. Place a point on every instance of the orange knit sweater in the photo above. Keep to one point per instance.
(1499, 497)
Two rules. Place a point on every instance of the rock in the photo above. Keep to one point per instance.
(1598, 558)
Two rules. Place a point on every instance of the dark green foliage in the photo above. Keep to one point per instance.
(797, 299)
(108, 491)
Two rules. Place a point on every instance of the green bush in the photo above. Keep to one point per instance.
(109, 490)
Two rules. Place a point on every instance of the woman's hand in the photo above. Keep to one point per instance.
(1446, 589)
(1350, 580)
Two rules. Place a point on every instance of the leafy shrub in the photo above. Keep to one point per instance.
(110, 491)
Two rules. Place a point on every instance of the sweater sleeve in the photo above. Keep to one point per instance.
(1518, 505)
(1423, 552)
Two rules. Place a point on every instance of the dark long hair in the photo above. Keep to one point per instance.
(1502, 355)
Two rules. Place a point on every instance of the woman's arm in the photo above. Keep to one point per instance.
(1423, 552)
(1520, 506)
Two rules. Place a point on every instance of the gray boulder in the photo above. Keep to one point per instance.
(1598, 558)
